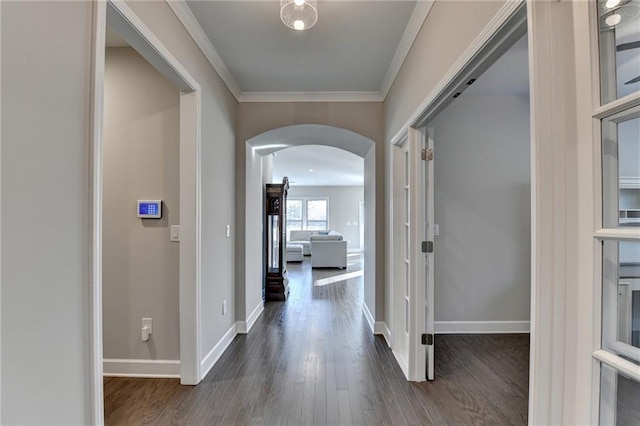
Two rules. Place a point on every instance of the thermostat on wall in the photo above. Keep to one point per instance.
(150, 209)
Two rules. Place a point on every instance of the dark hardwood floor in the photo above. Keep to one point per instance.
(313, 360)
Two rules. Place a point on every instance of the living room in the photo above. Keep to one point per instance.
(325, 204)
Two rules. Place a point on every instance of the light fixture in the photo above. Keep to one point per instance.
(310, 170)
(610, 4)
(299, 14)
(615, 13)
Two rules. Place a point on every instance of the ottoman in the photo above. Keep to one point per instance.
(294, 253)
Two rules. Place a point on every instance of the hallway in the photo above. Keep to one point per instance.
(313, 360)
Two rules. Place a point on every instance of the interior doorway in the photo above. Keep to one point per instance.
(480, 254)
(259, 171)
(132, 31)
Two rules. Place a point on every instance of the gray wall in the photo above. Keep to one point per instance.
(46, 71)
(45, 60)
(447, 32)
(141, 161)
(344, 205)
(217, 166)
(482, 204)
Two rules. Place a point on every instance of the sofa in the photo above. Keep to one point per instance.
(328, 251)
(303, 238)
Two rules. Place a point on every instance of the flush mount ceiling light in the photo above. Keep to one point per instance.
(614, 13)
(299, 14)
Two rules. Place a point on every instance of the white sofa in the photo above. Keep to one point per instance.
(328, 251)
(303, 238)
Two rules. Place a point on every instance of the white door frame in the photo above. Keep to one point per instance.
(399, 218)
(500, 34)
(133, 30)
(565, 309)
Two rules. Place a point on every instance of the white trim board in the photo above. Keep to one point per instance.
(481, 327)
(414, 26)
(149, 368)
(214, 354)
(310, 97)
(385, 331)
(190, 23)
(243, 327)
(369, 317)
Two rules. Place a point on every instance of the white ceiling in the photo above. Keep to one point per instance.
(356, 47)
(349, 49)
(314, 165)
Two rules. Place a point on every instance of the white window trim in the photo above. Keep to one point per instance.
(305, 200)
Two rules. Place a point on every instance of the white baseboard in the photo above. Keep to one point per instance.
(404, 365)
(214, 354)
(382, 328)
(368, 316)
(481, 327)
(151, 368)
(243, 327)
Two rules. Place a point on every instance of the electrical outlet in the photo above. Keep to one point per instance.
(224, 307)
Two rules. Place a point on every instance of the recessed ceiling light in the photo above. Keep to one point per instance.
(613, 20)
(310, 170)
(301, 2)
(610, 3)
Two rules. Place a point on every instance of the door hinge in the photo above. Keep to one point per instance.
(427, 246)
(427, 339)
(427, 154)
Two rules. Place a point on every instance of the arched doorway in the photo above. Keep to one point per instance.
(257, 172)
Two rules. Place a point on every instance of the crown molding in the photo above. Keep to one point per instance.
(311, 97)
(193, 27)
(191, 24)
(419, 15)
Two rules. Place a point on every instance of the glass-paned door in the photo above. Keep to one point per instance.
(618, 239)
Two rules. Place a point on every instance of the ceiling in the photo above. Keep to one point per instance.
(314, 165)
(509, 75)
(355, 49)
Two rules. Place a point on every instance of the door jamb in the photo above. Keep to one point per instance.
(149, 46)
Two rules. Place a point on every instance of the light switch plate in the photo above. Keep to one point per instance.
(175, 233)
(436, 229)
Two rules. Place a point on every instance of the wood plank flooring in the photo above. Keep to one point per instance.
(313, 360)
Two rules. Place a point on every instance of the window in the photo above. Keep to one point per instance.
(618, 240)
(307, 213)
(294, 214)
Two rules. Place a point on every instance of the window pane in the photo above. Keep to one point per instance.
(294, 210)
(619, 50)
(316, 224)
(621, 299)
(316, 210)
(295, 225)
(621, 169)
(619, 398)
